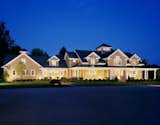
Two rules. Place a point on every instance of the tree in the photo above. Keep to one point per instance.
(20, 69)
(145, 62)
(38, 52)
(7, 44)
(158, 74)
(62, 51)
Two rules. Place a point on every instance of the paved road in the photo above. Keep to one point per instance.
(80, 106)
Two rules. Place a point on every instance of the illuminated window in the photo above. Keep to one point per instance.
(74, 61)
(93, 61)
(118, 61)
(14, 72)
(54, 63)
(33, 72)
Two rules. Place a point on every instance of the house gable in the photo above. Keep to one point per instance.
(134, 60)
(53, 61)
(93, 54)
(117, 58)
(135, 57)
(19, 56)
(23, 67)
(54, 58)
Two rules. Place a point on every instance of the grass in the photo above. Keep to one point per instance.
(30, 84)
(39, 84)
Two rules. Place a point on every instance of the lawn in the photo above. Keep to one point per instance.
(38, 84)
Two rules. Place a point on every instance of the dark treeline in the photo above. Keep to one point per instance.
(9, 46)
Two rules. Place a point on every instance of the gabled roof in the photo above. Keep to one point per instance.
(105, 45)
(94, 54)
(135, 55)
(118, 50)
(54, 56)
(40, 60)
(72, 54)
(104, 54)
(82, 54)
(10, 58)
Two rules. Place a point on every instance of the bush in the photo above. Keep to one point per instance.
(55, 82)
(4, 77)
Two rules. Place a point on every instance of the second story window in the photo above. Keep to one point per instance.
(33, 72)
(117, 61)
(54, 63)
(14, 73)
(93, 61)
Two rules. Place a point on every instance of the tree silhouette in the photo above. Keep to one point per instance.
(38, 52)
(7, 44)
(62, 51)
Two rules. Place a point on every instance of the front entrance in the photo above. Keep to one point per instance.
(150, 74)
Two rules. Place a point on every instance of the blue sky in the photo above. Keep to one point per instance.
(131, 25)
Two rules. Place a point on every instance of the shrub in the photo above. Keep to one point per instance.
(4, 77)
(55, 82)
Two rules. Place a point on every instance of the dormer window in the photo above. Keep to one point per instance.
(93, 61)
(118, 61)
(93, 58)
(54, 63)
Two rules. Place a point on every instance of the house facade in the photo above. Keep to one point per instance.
(101, 63)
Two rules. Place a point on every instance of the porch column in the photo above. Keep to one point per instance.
(111, 74)
(155, 75)
(126, 74)
(146, 75)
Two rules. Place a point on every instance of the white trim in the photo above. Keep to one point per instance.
(98, 57)
(53, 57)
(118, 50)
(73, 58)
(123, 68)
(66, 54)
(135, 55)
(19, 57)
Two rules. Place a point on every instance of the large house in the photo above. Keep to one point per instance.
(101, 63)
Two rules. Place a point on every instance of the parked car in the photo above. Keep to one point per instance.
(55, 82)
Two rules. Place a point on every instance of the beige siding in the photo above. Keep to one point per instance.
(134, 61)
(111, 59)
(30, 66)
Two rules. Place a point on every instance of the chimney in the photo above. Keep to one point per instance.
(23, 52)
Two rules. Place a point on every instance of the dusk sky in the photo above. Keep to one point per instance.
(130, 25)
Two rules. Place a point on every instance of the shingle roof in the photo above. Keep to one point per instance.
(42, 60)
(8, 58)
(72, 55)
(106, 45)
(84, 53)
(129, 54)
(104, 54)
